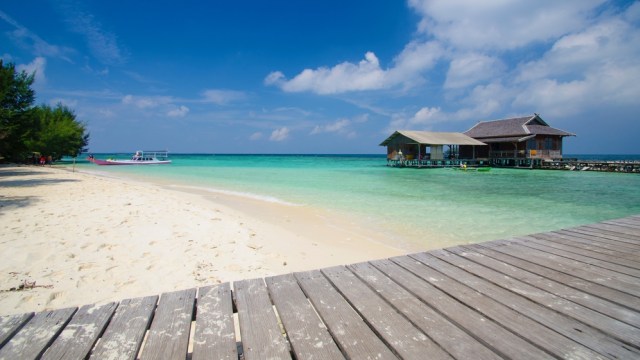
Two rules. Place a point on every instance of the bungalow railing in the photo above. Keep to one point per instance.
(526, 154)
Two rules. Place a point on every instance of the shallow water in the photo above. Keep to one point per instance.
(411, 207)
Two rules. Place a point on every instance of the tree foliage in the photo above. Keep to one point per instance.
(16, 100)
(25, 129)
(59, 133)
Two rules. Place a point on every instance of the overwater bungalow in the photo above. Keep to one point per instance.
(516, 142)
(427, 149)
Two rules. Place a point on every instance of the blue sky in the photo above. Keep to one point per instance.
(329, 76)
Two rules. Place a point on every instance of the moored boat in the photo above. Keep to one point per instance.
(139, 158)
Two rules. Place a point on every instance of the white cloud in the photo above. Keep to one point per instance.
(420, 120)
(280, 134)
(366, 75)
(335, 127)
(223, 97)
(71, 103)
(469, 69)
(37, 66)
(410, 65)
(181, 111)
(35, 43)
(146, 102)
(342, 126)
(585, 70)
(256, 136)
(102, 44)
(500, 24)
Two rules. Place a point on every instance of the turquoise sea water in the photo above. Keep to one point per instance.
(411, 207)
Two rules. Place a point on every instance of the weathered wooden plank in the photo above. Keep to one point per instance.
(124, 334)
(534, 332)
(582, 270)
(599, 239)
(620, 330)
(505, 265)
(502, 341)
(624, 223)
(586, 242)
(556, 241)
(402, 336)
(354, 337)
(36, 335)
(308, 336)
(168, 336)
(616, 229)
(570, 328)
(602, 236)
(450, 337)
(539, 265)
(214, 336)
(11, 324)
(595, 241)
(591, 259)
(82, 332)
(259, 329)
(620, 239)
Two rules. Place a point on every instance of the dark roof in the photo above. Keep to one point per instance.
(507, 139)
(433, 138)
(514, 127)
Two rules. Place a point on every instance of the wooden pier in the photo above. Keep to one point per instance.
(571, 294)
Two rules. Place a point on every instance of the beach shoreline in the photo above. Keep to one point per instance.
(77, 237)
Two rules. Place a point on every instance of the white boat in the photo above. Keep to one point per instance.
(139, 158)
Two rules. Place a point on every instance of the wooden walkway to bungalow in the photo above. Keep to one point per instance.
(572, 294)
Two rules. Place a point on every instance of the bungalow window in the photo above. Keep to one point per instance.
(548, 143)
(532, 144)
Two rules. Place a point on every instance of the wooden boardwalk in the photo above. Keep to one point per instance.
(572, 294)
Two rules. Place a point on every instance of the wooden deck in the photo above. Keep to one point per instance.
(572, 294)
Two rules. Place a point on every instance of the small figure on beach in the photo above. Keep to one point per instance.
(43, 160)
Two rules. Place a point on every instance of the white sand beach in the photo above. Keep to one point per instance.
(73, 238)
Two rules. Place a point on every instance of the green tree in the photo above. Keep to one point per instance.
(25, 129)
(16, 101)
(58, 132)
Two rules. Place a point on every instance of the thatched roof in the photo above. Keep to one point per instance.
(514, 127)
(432, 138)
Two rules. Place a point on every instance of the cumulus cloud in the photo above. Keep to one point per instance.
(365, 75)
(280, 134)
(499, 24)
(590, 61)
(222, 97)
(469, 69)
(37, 67)
(181, 111)
(420, 120)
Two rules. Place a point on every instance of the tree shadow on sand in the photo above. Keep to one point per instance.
(8, 203)
(32, 182)
(8, 177)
